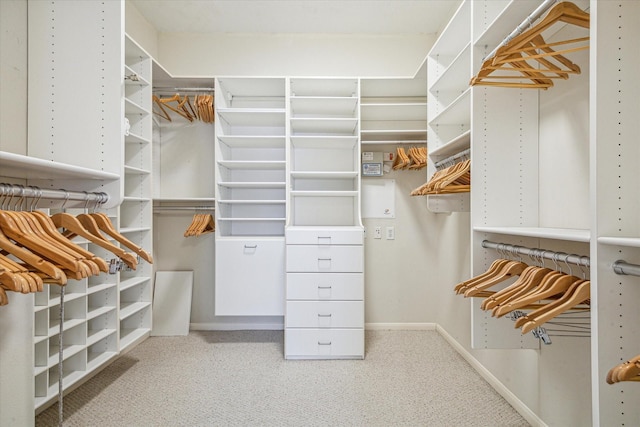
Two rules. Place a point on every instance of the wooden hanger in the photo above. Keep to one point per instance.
(578, 293)
(163, 113)
(200, 224)
(493, 269)
(14, 228)
(104, 223)
(50, 228)
(507, 271)
(70, 222)
(33, 260)
(513, 56)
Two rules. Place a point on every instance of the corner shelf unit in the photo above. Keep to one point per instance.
(449, 108)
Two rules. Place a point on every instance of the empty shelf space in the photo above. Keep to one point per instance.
(253, 116)
(250, 185)
(252, 164)
(324, 175)
(324, 193)
(309, 141)
(128, 309)
(131, 107)
(326, 106)
(394, 111)
(253, 141)
(339, 126)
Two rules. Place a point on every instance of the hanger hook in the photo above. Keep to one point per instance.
(66, 199)
(566, 261)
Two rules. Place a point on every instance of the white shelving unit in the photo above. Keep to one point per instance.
(250, 196)
(449, 107)
(394, 111)
(324, 235)
(532, 161)
(135, 213)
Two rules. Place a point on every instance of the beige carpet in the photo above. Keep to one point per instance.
(409, 378)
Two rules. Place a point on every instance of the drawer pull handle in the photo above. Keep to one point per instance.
(250, 246)
(324, 342)
(324, 259)
(324, 287)
(324, 315)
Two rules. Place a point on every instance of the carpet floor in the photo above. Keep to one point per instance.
(239, 378)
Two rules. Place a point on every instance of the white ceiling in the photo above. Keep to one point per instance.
(298, 16)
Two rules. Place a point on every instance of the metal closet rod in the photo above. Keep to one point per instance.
(453, 158)
(529, 20)
(31, 192)
(562, 257)
(623, 267)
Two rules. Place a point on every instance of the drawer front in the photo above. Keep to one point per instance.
(325, 286)
(249, 277)
(324, 314)
(325, 259)
(324, 343)
(324, 236)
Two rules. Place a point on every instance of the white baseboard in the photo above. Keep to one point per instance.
(400, 326)
(228, 326)
(513, 400)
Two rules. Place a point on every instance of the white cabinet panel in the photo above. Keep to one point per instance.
(325, 286)
(324, 314)
(325, 258)
(249, 277)
(324, 343)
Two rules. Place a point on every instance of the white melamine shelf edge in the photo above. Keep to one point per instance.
(142, 82)
(456, 145)
(68, 351)
(256, 165)
(134, 48)
(252, 184)
(446, 203)
(223, 111)
(365, 132)
(129, 309)
(131, 336)
(457, 28)
(133, 138)
(322, 141)
(252, 202)
(569, 234)
(135, 171)
(125, 230)
(395, 141)
(324, 174)
(135, 199)
(68, 324)
(457, 71)
(38, 308)
(93, 336)
(451, 110)
(97, 288)
(96, 359)
(184, 199)
(37, 370)
(134, 281)
(92, 313)
(68, 297)
(134, 108)
(250, 219)
(632, 242)
(39, 338)
(324, 193)
(25, 167)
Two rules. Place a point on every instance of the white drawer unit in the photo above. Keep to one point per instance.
(324, 343)
(325, 286)
(325, 258)
(324, 314)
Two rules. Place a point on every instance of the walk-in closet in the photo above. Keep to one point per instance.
(368, 201)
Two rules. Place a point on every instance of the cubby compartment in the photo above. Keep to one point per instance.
(136, 325)
(103, 350)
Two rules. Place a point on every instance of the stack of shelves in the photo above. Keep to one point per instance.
(324, 235)
(135, 215)
(449, 108)
(394, 111)
(250, 195)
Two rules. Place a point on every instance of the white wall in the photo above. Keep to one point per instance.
(205, 55)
